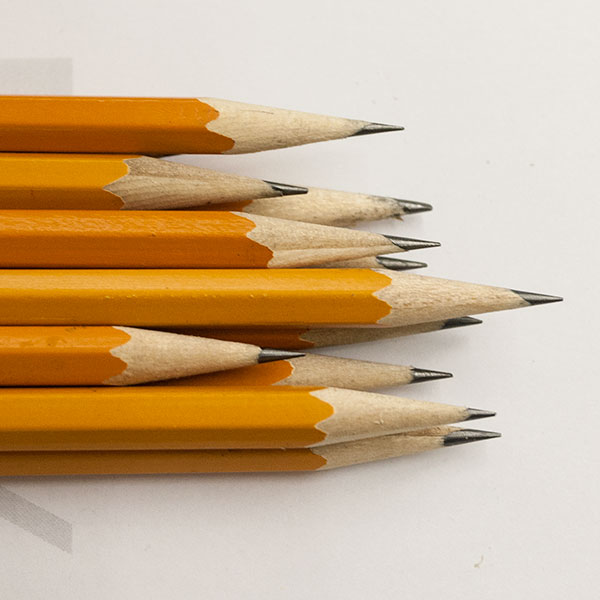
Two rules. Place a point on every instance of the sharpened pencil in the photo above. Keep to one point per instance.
(302, 338)
(243, 298)
(374, 262)
(317, 370)
(156, 462)
(63, 356)
(186, 418)
(178, 239)
(121, 182)
(329, 207)
(159, 126)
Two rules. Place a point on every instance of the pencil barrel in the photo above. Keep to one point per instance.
(173, 239)
(172, 298)
(188, 418)
(281, 298)
(119, 182)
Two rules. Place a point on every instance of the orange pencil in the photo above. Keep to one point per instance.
(148, 462)
(162, 125)
(316, 369)
(121, 182)
(187, 418)
(303, 338)
(243, 298)
(177, 239)
(40, 356)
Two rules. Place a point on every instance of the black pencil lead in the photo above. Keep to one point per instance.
(397, 264)
(420, 375)
(410, 243)
(270, 354)
(377, 128)
(287, 190)
(477, 413)
(466, 436)
(533, 298)
(461, 322)
(409, 207)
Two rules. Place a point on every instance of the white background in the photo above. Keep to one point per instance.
(500, 103)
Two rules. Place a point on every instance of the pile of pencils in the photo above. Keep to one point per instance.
(135, 338)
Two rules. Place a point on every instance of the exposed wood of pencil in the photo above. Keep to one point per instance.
(231, 461)
(162, 125)
(48, 356)
(330, 207)
(243, 298)
(113, 181)
(177, 239)
(316, 370)
(181, 418)
(295, 339)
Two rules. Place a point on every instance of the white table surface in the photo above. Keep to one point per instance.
(500, 104)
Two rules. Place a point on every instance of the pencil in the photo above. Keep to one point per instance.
(162, 125)
(302, 338)
(329, 207)
(243, 298)
(374, 262)
(121, 182)
(156, 462)
(188, 418)
(61, 356)
(179, 239)
(317, 370)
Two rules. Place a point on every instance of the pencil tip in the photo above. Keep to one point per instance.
(534, 299)
(477, 413)
(376, 128)
(410, 243)
(461, 322)
(285, 189)
(420, 375)
(270, 354)
(397, 264)
(410, 208)
(466, 436)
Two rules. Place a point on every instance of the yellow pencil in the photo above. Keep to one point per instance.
(329, 207)
(179, 239)
(48, 356)
(304, 337)
(153, 462)
(121, 182)
(184, 418)
(243, 298)
(315, 369)
(162, 126)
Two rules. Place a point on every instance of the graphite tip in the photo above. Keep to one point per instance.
(477, 413)
(376, 128)
(466, 436)
(406, 244)
(461, 322)
(420, 375)
(271, 354)
(533, 299)
(285, 189)
(397, 264)
(410, 208)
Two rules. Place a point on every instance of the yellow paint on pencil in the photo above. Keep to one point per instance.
(173, 298)
(136, 125)
(153, 417)
(32, 351)
(36, 180)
